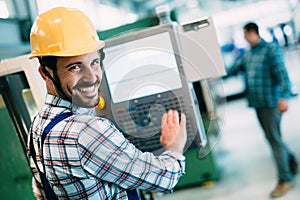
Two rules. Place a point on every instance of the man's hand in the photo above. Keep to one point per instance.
(282, 105)
(173, 134)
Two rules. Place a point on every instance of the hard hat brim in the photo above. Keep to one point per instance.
(99, 45)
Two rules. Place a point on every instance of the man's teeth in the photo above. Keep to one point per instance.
(87, 89)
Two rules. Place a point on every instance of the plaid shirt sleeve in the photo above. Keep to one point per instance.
(237, 66)
(106, 154)
(279, 72)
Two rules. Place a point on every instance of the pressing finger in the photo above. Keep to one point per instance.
(170, 116)
(175, 117)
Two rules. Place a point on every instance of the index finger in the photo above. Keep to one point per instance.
(175, 117)
(170, 116)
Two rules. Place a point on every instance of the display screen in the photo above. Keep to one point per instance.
(141, 67)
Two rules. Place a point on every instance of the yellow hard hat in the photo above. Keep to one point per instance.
(63, 32)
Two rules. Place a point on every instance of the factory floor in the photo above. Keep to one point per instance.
(243, 157)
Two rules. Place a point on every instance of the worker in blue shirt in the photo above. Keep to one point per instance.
(267, 89)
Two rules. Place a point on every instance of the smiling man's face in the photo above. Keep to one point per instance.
(80, 78)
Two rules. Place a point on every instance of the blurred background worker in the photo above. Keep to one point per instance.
(83, 156)
(268, 87)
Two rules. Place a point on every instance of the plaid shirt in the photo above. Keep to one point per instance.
(86, 157)
(266, 77)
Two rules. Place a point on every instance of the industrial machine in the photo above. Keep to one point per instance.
(148, 71)
(143, 78)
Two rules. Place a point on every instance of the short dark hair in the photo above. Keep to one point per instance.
(251, 26)
(49, 61)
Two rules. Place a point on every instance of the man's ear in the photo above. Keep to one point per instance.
(41, 71)
(45, 75)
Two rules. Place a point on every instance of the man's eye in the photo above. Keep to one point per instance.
(73, 67)
(96, 62)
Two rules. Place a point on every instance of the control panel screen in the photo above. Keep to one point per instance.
(141, 67)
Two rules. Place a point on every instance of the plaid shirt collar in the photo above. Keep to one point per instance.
(56, 101)
(260, 44)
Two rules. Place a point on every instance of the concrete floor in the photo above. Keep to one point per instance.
(247, 170)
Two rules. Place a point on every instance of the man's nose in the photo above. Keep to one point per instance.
(89, 74)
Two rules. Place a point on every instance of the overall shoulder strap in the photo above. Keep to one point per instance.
(54, 121)
(57, 119)
(45, 132)
(50, 195)
(132, 195)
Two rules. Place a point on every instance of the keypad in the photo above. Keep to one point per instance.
(141, 123)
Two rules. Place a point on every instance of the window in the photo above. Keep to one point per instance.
(4, 13)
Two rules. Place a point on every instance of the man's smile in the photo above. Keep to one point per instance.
(89, 91)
